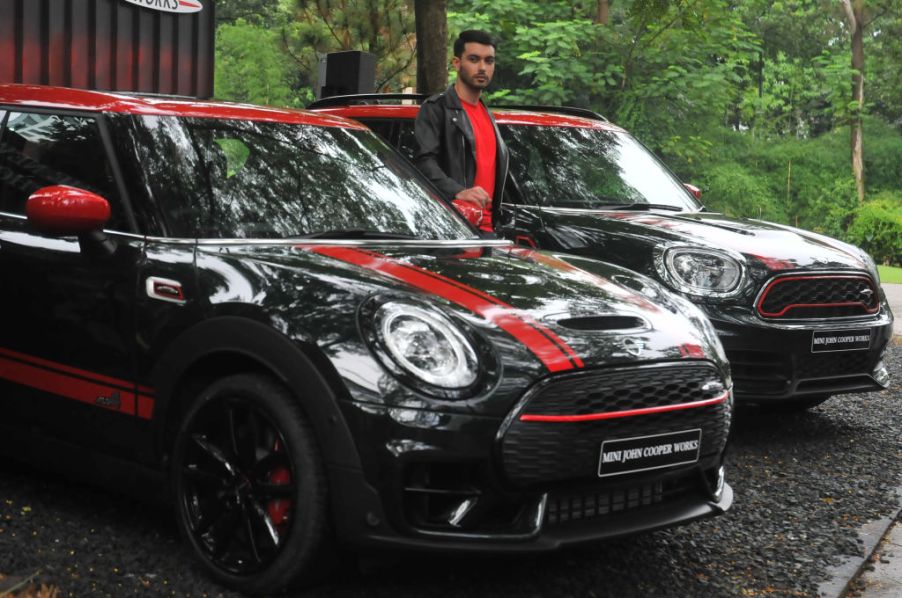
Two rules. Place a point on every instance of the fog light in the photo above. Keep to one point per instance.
(881, 374)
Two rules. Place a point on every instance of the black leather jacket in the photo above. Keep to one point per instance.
(446, 151)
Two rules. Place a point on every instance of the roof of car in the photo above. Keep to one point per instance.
(65, 98)
(538, 117)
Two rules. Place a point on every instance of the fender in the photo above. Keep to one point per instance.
(297, 368)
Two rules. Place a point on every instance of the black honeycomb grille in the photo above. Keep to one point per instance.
(836, 364)
(622, 390)
(822, 296)
(535, 452)
(593, 504)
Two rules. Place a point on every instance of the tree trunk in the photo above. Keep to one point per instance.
(854, 14)
(602, 10)
(432, 45)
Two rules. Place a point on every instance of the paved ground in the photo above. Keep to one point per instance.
(882, 573)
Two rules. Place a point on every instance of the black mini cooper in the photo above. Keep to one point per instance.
(801, 316)
(266, 314)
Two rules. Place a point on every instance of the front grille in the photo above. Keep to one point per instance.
(537, 452)
(592, 504)
(626, 389)
(828, 365)
(818, 296)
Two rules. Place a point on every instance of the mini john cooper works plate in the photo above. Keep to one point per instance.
(642, 453)
(826, 341)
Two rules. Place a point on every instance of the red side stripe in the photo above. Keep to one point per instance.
(37, 375)
(543, 343)
(71, 370)
(625, 413)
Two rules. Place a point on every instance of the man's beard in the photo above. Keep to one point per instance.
(474, 83)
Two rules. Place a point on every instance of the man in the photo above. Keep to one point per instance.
(460, 148)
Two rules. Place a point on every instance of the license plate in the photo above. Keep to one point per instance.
(828, 341)
(642, 453)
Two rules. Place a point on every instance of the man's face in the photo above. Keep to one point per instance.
(476, 65)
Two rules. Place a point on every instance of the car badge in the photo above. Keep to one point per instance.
(174, 6)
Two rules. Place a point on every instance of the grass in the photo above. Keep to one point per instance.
(890, 274)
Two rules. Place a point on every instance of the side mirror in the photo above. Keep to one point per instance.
(695, 191)
(469, 210)
(62, 210)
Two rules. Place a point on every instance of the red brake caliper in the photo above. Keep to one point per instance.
(278, 508)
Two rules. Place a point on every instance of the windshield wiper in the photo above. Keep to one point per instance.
(356, 233)
(639, 206)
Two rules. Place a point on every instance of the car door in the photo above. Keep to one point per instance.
(67, 327)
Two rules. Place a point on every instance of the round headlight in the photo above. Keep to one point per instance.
(705, 272)
(426, 345)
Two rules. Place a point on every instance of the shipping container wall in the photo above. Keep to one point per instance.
(107, 45)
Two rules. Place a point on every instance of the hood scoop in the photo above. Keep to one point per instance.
(612, 323)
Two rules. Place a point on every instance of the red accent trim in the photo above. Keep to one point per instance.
(70, 383)
(189, 4)
(544, 344)
(783, 311)
(525, 240)
(626, 413)
(66, 210)
(692, 351)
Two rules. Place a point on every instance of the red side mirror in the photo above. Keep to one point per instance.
(469, 210)
(695, 191)
(63, 210)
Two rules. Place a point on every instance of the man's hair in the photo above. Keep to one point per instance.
(472, 35)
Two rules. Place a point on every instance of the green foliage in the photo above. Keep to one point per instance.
(251, 67)
(877, 228)
(890, 274)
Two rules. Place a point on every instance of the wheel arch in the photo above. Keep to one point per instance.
(230, 344)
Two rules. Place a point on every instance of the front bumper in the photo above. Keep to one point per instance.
(774, 361)
(437, 481)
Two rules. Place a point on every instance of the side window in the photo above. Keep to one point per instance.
(37, 150)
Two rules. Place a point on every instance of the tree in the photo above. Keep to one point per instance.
(432, 45)
(854, 10)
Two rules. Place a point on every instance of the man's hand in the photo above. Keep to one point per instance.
(477, 195)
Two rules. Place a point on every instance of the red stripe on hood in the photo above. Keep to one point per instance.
(551, 350)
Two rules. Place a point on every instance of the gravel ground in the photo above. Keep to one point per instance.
(804, 483)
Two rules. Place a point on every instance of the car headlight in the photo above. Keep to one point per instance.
(427, 345)
(701, 271)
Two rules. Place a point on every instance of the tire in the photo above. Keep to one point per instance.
(250, 491)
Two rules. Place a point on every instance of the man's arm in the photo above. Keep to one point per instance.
(428, 132)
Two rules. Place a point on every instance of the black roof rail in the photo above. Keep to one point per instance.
(569, 110)
(365, 98)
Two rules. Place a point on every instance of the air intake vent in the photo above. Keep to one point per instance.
(603, 323)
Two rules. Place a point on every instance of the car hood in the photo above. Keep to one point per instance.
(532, 305)
(776, 247)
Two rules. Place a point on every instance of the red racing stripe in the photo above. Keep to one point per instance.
(551, 350)
(625, 413)
(39, 374)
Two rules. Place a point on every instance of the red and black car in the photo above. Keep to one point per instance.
(802, 316)
(264, 315)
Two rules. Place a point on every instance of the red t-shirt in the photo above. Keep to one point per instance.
(484, 134)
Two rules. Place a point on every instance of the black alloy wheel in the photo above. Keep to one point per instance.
(249, 485)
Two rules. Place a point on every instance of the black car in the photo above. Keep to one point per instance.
(264, 315)
(802, 316)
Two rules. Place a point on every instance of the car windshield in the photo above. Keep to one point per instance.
(581, 167)
(212, 178)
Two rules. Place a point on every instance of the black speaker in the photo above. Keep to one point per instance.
(343, 73)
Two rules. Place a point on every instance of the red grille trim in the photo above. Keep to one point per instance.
(778, 314)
